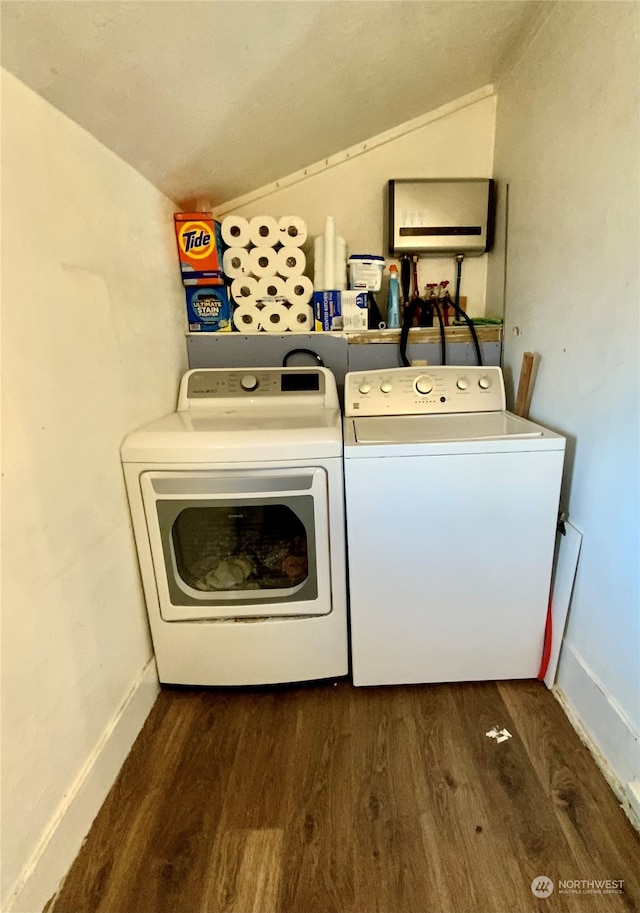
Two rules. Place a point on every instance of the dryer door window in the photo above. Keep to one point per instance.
(239, 544)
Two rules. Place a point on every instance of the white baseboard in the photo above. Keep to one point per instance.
(59, 845)
(633, 791)
(603, 727)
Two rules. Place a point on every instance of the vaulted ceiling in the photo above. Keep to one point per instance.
(213, 99)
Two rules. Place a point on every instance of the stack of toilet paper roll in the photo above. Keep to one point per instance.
(265, 264)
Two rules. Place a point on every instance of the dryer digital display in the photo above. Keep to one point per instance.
(307, 382)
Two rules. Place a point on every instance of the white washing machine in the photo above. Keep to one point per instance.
(237, 501)
(451, 520)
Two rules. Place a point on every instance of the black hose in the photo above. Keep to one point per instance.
(405, 279)
(407, 320)
(443, 342)
(463, 314)
(406, 326)
(472, 330)
(309, 352)
(459, 260)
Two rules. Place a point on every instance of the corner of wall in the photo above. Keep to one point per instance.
(603, 727)
(44, 872)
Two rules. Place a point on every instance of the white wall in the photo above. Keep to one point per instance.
(567, 144)
(453, 141)
(92, 347)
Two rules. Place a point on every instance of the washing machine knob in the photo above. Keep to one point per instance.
(249, 382)
(364, 388)
(484, 382)
(462, 383)
(424, 384)
(386, 386)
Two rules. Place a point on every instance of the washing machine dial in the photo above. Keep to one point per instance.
(386, 386)
(462, 383)
(484, 383)
(249, 382)
(424, 384)
(364, 388)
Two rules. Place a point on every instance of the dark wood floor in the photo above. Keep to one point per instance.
(332, 798)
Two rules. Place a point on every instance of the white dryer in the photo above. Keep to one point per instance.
(451, 520)
(237, 501)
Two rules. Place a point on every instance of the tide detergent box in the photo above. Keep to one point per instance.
(200, 248)
(208, 308)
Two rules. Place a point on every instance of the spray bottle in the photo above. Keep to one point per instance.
(393, 308)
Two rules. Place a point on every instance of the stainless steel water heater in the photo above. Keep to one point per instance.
(441, 216)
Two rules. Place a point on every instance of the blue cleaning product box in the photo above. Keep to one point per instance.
(326, 309)
(337, 310)
(208, 308)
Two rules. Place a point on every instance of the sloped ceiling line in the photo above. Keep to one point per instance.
(213, 99)
(339, 158)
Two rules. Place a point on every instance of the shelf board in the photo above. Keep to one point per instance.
(416, 334)
(426, 334)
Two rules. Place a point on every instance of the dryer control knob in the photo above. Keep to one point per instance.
(249, 382)
(364, 388)
(424, 384)
(386, 386)
(462, 383)
(484, 382)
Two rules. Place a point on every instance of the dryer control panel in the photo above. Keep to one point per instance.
(438, 390)
(226, 388)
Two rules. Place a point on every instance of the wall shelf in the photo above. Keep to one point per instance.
(426, 334)
(456, 334)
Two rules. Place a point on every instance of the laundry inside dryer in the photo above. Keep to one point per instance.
(244, 546)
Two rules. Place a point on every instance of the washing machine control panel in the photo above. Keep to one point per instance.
(424, 390)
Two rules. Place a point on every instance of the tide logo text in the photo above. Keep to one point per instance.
(196, 239)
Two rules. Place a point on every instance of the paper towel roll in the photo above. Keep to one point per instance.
(274, 318)
(235, 262)
(271, 287)
(244, 290)
(293, 231)
(340, 264)
(263, 261)
(264, 231)
(246, 318)
(235, 231)
(291, 261)
(334, 274)
(298, 289)
(300, 318)
(318, 264)
(329, 251)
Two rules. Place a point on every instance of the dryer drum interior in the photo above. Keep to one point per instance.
(239, 546)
